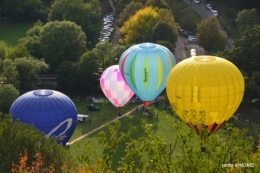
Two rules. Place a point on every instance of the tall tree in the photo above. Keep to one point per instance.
(247, 18)
(209, 35)
(29, 69)
(87, 15)
(8, 94)
(245, 55)
(62, 41)
(120, 6)
(139, 27)
(163, 31)
(10, 74)
(32, 40)
(89, 71)
(18, 51)
(129, 11)
(157, 3)
(68, 76)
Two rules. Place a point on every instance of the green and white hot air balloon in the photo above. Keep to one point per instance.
(145, 68)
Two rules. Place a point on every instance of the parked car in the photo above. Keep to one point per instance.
(192, 39)
(108, 28)
(209, 6)
(196, 1)
(109, 25)
(187, 34)
(181, 31)
(81, 117)
(92, 107)
(136, 100)
(214, 12)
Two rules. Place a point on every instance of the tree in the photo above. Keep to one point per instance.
(150, 24)
(245, 54)
(19, 51)
(32, 40)
(186, 18)
(116, 52)
(103, 50)
(139, 27)
(167, 44)
(87, 15)
(28, 69)
(163, 31)
(22, 10)
(120, 6)
(247, 18)
(17, 137)
(8, 94)
(153, 153)
(168, 24)
(3, 48)
(157, 3)
(128, 11)
(68, 77)
(209, 35)
(10, 74)
(61, 41)
(89, 71)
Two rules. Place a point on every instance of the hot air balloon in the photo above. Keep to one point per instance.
(114, 87)
(205, 91)
(49, 111)
(145, 68)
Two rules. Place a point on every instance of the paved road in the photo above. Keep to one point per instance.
(183, 47)
(205, 13)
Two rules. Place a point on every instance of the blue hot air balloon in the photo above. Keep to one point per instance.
(145, 68)
(49, 111)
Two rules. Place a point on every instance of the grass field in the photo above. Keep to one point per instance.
(162, 125)
(10, 33)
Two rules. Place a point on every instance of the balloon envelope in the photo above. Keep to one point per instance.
(114, 87)
(49, 111)
(145, 68)
(205, 90)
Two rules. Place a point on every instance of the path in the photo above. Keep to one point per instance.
(104, 125)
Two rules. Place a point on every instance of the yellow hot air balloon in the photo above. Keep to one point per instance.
(205, 91)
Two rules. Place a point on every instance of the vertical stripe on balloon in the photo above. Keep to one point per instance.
(169, 61)
(123, 66)
(132, 71)
(160, 71)
(146, 72)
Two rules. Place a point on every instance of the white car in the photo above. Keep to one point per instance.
(196, 1)
(209, 6)
(214, 12)
(192, 39)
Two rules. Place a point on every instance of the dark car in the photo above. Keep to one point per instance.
(136, 100)
(92, 107)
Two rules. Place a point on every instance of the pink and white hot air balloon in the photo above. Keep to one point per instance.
(114, 87)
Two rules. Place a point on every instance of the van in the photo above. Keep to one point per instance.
(91, 107)
(81, 117)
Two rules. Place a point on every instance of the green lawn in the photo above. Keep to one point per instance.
(161, 125)
(107, 113)
(10, 33)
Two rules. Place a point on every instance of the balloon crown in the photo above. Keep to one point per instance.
(147, 45)
(42, 92)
